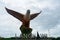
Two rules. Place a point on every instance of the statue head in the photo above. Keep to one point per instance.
(28, 11)
(27, 14)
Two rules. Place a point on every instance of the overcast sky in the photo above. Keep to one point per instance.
(49, 19)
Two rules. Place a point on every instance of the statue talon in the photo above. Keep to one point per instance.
(25, 30)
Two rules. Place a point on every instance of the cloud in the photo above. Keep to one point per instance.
(30, 4)
(48, 19)
(55, 31)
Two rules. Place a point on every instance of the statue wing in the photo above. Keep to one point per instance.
(15, 14)
(32, 16)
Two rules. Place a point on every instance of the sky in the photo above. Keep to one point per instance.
(48, 22)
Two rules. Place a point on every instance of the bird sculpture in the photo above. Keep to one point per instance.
(25, 19)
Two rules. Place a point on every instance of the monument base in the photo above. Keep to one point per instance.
(26, 32)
